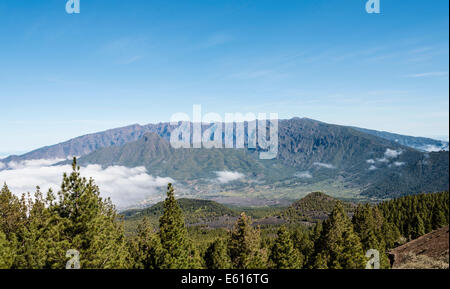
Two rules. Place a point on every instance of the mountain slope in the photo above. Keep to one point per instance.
(305, 143)
(156, 154)
(419, 143)
(194, 211)
(86, 144)
(315, 206)
(312, 156)
(410, 173)
(429, 251)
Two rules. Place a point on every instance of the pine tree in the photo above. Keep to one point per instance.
(146, 248)
(177, 251)
(85, 222)
(418, 227)
(402, 213)
(320, 261)
(245, 246)
(317, 232)
(283, 254)
(438, 217)
(311, 259)
(7, 253)
(368, 224)
(338, 246)
(13, 218)
(216, 256)
(40, 238)
(12, 213)
(304, 243)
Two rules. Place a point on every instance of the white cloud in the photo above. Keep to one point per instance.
(226, 176)
(370, 161)
(33, 163)
(125, 186)
(399, 164)
(392, 153)
(324, 165)
(434, 148)
(304, 175)
(372, 167)
(388, 154)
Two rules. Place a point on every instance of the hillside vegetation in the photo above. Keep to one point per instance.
(430, 251)
(312, 156)
(347, 163)
(313, 207)
(37, 232)
(195, 212)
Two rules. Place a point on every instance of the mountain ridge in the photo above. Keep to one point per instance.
(312, 156)
(419, 143)
(310, 153)
(88, 143)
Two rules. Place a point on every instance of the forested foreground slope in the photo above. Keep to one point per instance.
(37, 232)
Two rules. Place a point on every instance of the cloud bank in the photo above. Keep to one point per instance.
(125, 186)
(224, 177)
(434, 148)
(304, 175)
(392, 153)
(389, 155)
(32, 163)
(324, 165)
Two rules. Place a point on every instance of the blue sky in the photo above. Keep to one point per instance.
(123, 62)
